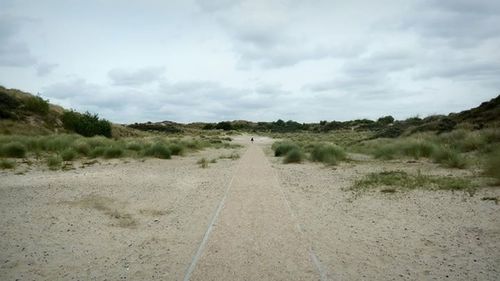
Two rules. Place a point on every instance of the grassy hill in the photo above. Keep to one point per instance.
(22, 113)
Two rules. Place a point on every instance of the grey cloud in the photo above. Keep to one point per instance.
(12, 51)
(44, 68)
(125, 77)
(462, 70)
(460, 24)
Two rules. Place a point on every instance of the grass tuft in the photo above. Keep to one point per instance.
(7, 164)
(403, 180)
(158, 150)
(68, 154)
(327, 153)
(203, 162)
(54, 162)
(14, 149)
(282, 148)
(113, 152)
(293, 156)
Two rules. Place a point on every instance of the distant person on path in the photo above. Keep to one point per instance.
(251, 139)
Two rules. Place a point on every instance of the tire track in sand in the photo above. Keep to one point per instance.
(254, 234)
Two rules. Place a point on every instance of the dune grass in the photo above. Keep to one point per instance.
(295, 155)
(56, 148)
(400, 180)
(329, 154)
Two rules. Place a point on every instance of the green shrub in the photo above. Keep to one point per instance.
(158, 150)
(54, 162)
(86, 124)
(282, 148)
(293, 156)
(113, 152)
(68, 154)
(14, 149)
(327, 153)
(7, 164)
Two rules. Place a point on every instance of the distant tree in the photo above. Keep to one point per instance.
(386, 120)
(224, 125)
(86, 124)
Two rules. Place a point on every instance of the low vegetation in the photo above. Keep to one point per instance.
(400, 180)
(203, 162)
(54, 149)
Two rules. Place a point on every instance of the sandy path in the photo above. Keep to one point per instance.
(255, 236)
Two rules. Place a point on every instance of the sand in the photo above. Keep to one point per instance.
(247, 219)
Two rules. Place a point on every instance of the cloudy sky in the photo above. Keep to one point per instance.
(213, 60)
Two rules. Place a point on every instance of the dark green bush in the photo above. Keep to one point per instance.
(158, 150)
(294, 155)
(13, 149)
(8, 105)
(36, 104)
(86, 124)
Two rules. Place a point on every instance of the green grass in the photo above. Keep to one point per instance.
(113, 152)
(449, 158)
(283, 147)
(492, 166)
(158, 150)
(401, 180)
(69, 154)
(295, 155)
(327, 153)
(54, 162)
(7, 164)
(14, 150)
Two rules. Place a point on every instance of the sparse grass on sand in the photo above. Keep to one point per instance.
(456, 149)
(390, 181)
(203, 162)
(327, 153)
(7, 164)
(70, 147)
(54, 162)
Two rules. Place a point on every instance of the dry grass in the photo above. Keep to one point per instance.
(109, 207)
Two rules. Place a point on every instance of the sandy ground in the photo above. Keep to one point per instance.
(249, 219)
(109, 221)
(417, 235)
